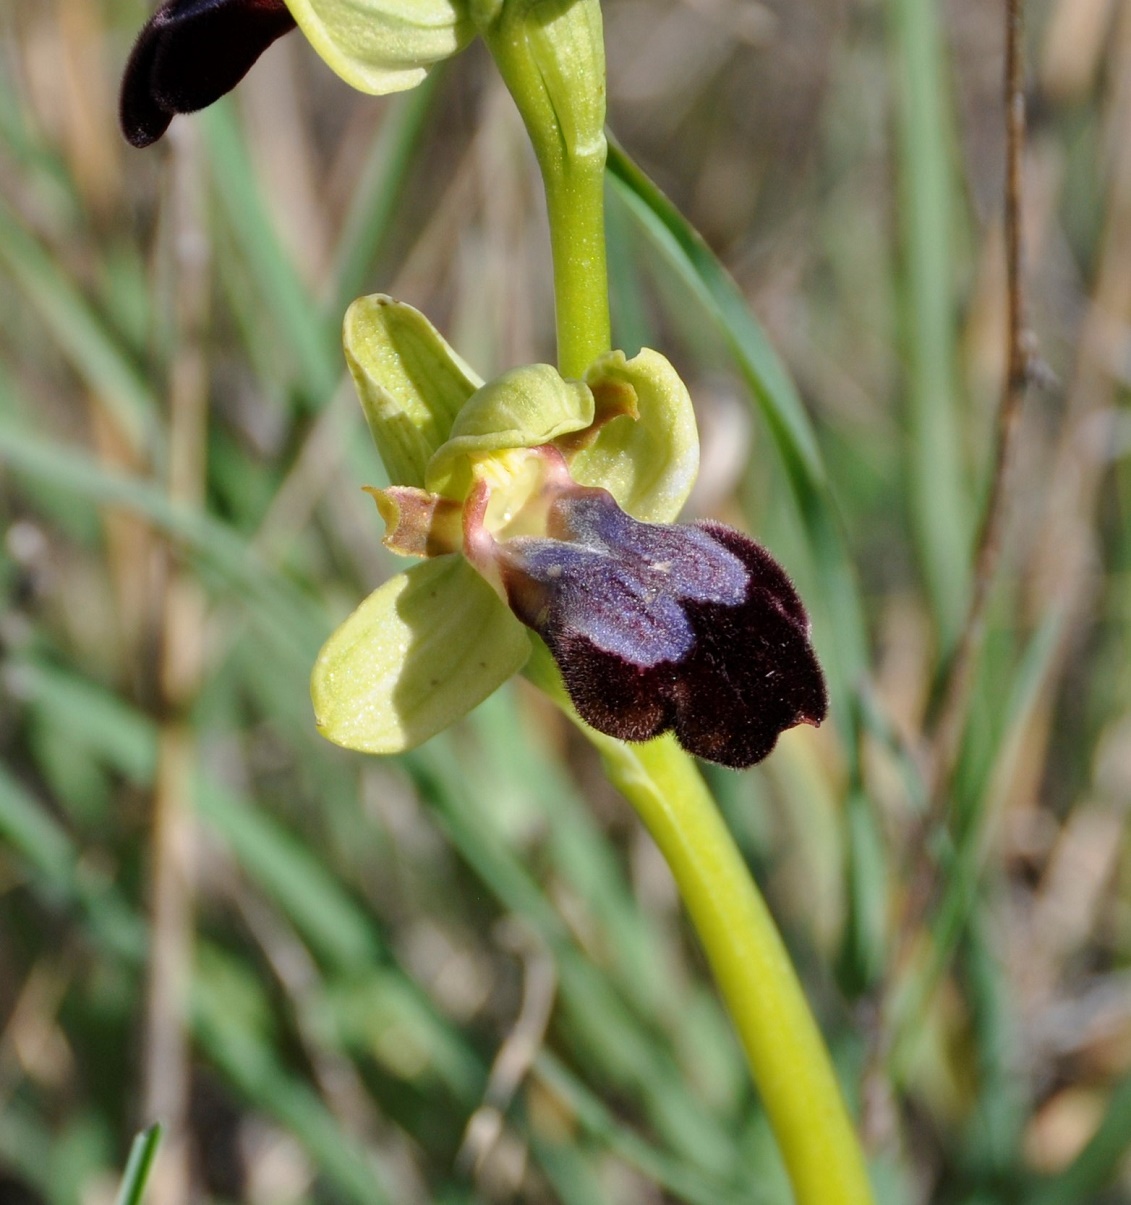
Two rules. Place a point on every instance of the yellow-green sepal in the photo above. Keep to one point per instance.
(418, 654)
(381, 46)
(648, 463)
(523, 408)
(411, 384)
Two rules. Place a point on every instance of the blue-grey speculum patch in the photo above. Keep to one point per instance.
(618, 582)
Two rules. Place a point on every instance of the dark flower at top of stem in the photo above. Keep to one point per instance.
(189, 54)
(693, 628)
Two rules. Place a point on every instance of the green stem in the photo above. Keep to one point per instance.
(783, 1045)
(552, 61)
(575, 200)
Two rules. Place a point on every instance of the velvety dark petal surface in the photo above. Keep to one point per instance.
(752, 672)
(189, 54)
(611, 694)
(695, 629)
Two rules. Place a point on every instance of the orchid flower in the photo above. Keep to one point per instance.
(543, 505)
(191, 52)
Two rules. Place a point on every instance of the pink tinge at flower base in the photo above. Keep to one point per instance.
(655, 627)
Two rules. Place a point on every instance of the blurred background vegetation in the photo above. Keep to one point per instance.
(463, 974)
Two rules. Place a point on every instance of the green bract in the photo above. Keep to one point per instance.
(552, 55)
(553, 49)
(433, 642)
(382, 46)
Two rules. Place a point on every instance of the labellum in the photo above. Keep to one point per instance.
(692, 628)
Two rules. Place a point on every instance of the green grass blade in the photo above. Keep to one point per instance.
(926, 189)
(596, 1014)
(600, 1124)
(716, 290)
(39, 841)
(36, 160)
(251, 1064)
(91, 349)
(1099, 1161)
(301, 886)
(297, 622)
(770, 385)
(282, 294)
(93, 718)
(632, 329)
(378, 193)
(142, 1154)
(963, 863)
(27, 830)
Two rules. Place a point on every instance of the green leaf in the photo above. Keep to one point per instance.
(381, 46)
(648, 463)
(410, 382)
(416, 656)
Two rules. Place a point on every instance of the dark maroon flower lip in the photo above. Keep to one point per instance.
(189, 54)
(694, 629)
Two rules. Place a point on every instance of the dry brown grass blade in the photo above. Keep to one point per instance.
(1063, 570)
(167, 1070)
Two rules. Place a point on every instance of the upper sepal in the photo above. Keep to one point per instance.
(189, 54)
(381, 46)
(418, 654)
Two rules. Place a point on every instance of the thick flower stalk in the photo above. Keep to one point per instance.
(545, 504)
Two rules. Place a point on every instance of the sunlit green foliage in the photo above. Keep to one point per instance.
(369, 933)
